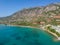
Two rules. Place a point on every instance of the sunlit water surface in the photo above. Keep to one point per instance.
(13, 35)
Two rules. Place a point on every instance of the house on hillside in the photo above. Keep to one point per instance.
(57, 18)
(42, 23)
(49, 20)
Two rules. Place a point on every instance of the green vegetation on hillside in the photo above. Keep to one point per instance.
(53, 31)
(36, 15)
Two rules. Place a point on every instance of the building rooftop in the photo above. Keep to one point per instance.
(57, 16)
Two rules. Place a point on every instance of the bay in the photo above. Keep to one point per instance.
(14, 35)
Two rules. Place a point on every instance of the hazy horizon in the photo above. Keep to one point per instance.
(8, 7)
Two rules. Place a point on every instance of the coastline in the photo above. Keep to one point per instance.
(56, 38)
(24, 26)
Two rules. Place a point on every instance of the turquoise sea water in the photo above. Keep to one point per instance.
(13, 35)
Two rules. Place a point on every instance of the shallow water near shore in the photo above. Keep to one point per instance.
(14, 35)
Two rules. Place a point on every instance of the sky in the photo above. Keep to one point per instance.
(8, 7)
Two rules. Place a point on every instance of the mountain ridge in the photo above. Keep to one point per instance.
(32, 15)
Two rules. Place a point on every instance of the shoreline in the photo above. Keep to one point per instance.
(56, 38)
(24, 26)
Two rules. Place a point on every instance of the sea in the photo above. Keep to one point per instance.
(15, 35)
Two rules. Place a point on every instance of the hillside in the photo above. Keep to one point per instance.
(49, 14)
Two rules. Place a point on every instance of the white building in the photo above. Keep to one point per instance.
(57, 28)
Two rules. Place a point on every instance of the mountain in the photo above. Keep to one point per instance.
(35, 16)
